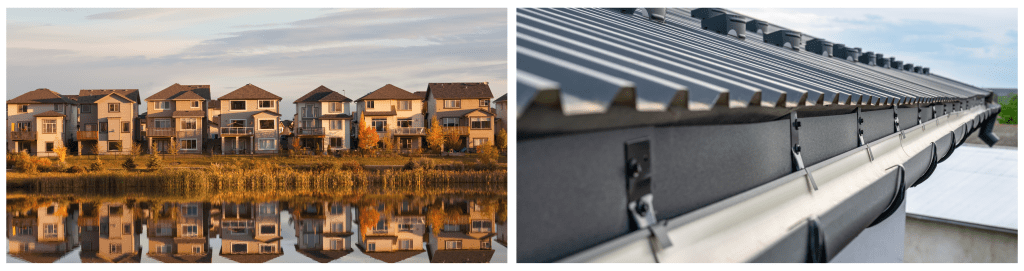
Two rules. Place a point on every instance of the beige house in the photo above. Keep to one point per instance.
(213, 127)
(323, 230)
(323, 120)
(178, 114)
(463, 108)
(250, 233)
(467, 239)
(110, 233)
(178, 233)
(501, 113)
(39, 121)
(107, 119)
(248, 121)
(395, 111)
(42, 235)
(397, 235)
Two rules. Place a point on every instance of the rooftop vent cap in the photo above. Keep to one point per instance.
(785, 38)
(758, 26)
(821, 47)
(892, 63)
(728, 24)
(881, 61)
(908, 67)
(917, 69)
(898, 64)
(655, 14)
(925, 71)
(704, 13)
(868, 58)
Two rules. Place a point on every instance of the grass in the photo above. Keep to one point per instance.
(1008, 115)
(202, 161)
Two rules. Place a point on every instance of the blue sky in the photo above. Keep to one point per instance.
(974, 46)
(286, 51)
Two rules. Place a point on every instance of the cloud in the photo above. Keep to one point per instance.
(129, 14)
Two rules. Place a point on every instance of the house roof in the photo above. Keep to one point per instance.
(214, 104)
(322, 94)
(335, 117)
(250, 258)
(91, 95)
(389, 92)
(381, 113)
(267, 239)
(41, 96)
(503, 98)
(32, 257)
(169, 258)
(460, 113)
(192, 113)
(322, 256)
(422, 94)
(461, 256)
(250, 92)
(442, 91)
(391, 257)
(73, 98)
(268, 112)
(50, 113)
(182, 92)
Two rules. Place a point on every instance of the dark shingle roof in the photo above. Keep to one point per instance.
(381, 113)
(182, 92)
(422, 94)
(389, 92)
(268, 112)
(250, 258)
(180, 113)
(503, 98)
(214, 104)
(91, 95)
(41, 96)
(323, 256)
(73, 98)
(46, 257)
(461, 256)
(443, 91)
(50, 113)
(249, 92)
(390, 257)
(335, 116)
(322, 94)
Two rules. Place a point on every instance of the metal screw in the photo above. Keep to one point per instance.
(641, 208)
(796, 148)
(634, 168)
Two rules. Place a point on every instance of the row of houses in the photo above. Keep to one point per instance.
(249, 232)
(246, 120)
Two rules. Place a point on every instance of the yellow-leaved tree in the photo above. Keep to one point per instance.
(435, 137)
(368, 136)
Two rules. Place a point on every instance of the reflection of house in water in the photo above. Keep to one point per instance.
(502, 233)
(323, 230)
(250, 233)
(42, 235)
(109, 233)
(397, 235)
(466, 235)
(178, 233)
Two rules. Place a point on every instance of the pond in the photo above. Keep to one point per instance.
(411, 224)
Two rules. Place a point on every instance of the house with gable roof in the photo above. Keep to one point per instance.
(107, 120)
(39, 121)
(178, 114)
(248, 121)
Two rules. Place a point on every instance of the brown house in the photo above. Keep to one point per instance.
(178, 114)
(248, 121)
(393, 111)
(463, 108)
(465, 237)
(323, 120)
(107, 119)
(179, 233)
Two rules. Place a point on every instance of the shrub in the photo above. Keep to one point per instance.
(325, 166)
(129, 163)
(62, 153)
(351, 165)
(57, 167)
(96, 165)
(76, 169)
(25, 164)
(155, 162)
(485, 166)
(43, 162)
(420, 163)
(458, 166)
(488, 153)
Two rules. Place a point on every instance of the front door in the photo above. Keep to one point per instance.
(405, 143)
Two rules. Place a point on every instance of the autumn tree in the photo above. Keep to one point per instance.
(488, 154)
(389, 141)
(502, 139)
(173, 149)
(368, 136)
(368, 217)
(452, 139)
(435, 136)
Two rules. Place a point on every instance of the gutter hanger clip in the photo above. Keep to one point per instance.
(638, 188)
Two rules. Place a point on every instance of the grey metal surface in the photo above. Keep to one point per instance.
(975, 185)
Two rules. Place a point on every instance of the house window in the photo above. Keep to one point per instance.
(164, 123)
(237, 105)
(266, 104)
(195, 104)
(197, 250)
(113, 145)
(337, 125)
(337, 244)
(237, 123)
(485, 103)
(382, 225)
(266, 249)
(49, 126)
(113, 107)
(380, 124)
(239, 248)
(51, 230)
(485, 244)
(405, 123)
(103, 127)
(115, 248)
(405, 105)
(58, 107)
(267, 144)
(449, 122)
(336, 107)
(86, 109)
(371, 247)
(188, 124)
(453, 244)
(481, 123)
(268, 208)
(127, 228)
(23, 108)
(405, 244)
(191, 210)
(190, 230)
(479, 141)
(24, 230)
(49, 146)
(163, 249)
(189, 144)
(405, 143)
(405, 227)
(266, 124)
(452, 103)
(311, 111)
(24, 126)
(126, 127)
(162, 105)
(481, 226)
(451, 227)
(337, 142)
(369, 104)
(337, 227)
(268, 229)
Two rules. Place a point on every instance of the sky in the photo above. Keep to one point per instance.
(974, 46)
(288, 52)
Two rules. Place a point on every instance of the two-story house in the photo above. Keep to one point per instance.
(395, 111)
(43, 234)
(177, 114)
(213, 127)
(465, 238)
(250, 233)
(111, 233)
(464, 109)
(248, 121)
(39, 121)
(323, 230)
(501, 113)
(107, 120)
(179, 233)
(323, 120)
(397, 235)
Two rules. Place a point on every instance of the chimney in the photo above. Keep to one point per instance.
(881, 61)
(821, 47)
(758, 26)
(704, 13)
(785, 38)
(726, 24)
(908, 67)
(868, 58)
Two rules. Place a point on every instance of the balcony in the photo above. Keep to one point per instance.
(310, 131)
(236, 131)
(23, 135)
(408, 131)
(88, 135)
(160, 132)
(459, 130)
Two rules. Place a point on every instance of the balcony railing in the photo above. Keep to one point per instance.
(228, 131)
(310, 131)
(408, 131)
(23, 135)
(168, 132)
(459, 130)
(88, 135)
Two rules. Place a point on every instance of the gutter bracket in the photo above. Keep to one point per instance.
(860, 136)
(896, 122)
(639, 197)
(795, 151)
